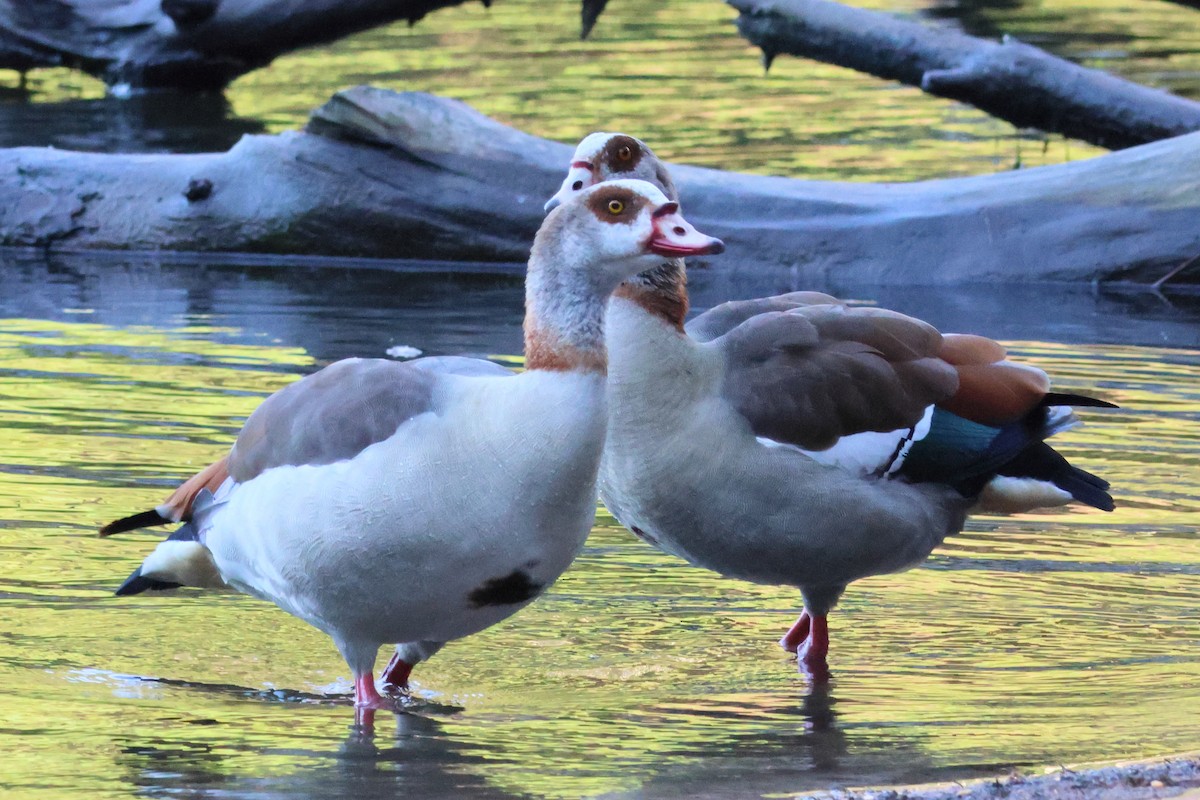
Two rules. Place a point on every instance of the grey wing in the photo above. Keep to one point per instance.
(336, 413)
(720, 320)
(461, 365)
(813, 374)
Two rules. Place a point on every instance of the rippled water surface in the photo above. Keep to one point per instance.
(1057, 637)
(1049, 638)
(674, 72)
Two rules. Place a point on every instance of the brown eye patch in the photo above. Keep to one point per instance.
(616, 204)
(621, 154)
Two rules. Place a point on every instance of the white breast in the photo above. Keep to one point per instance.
(390, 545)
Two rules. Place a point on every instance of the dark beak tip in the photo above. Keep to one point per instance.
(718, 247)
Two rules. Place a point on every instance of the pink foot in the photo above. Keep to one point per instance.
(395, 674)
(366, 695)
(796, 635)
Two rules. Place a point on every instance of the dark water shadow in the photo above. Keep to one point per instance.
(151, 122)
(335, 312)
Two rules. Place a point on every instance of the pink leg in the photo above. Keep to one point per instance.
(818, 641)
(396, 673)
(814, 658)
(796, 635)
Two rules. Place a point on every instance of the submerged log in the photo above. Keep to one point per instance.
(1010, 80)
(182, 44)
(385, 175)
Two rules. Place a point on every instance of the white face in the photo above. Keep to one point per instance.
(583, 170)
(620, 228)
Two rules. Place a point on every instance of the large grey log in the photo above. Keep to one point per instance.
(387, 175)
(187, 44)
(1011, 80)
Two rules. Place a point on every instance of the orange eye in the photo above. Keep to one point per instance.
(615, 207)
(624, 153)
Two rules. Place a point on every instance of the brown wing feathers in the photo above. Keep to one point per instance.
(816, 373)
(805, 368)
(720, 320)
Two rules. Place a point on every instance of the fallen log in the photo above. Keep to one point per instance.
(182, 44)
(1009, 79)
(386, 175)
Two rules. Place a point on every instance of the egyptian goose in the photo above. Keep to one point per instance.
(795, 440)
(420, 502)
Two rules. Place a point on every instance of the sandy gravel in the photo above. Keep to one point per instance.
(1177, 777)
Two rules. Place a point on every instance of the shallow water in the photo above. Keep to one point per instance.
(1048, 638)
(1039, 639)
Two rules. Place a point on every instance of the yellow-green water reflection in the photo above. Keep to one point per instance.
(677, 74)
(1040, 639)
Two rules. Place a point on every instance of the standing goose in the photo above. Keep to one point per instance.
(795, 440)
(421, 502)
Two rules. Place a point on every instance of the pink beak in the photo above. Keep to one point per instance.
(674, 236)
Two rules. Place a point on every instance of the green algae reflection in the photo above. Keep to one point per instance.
(1042, 638)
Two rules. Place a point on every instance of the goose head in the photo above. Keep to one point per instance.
(604, 157)
(587, 246)
(616, 229)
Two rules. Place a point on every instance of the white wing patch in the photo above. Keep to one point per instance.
(871, 452)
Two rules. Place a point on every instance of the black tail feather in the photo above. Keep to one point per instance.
(145, 519)
(1080, 484)
(1079, 400)
(1086, 488)
(137, 583)
(967, 455)
(1042, 462)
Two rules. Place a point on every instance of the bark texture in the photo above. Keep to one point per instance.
(386, 175)
(183, 44)
(1010, 80)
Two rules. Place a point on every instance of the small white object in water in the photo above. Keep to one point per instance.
(403, 351)
(121, 91)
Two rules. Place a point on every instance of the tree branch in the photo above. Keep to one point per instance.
(183, 44)
(1010, 80)
(386, 175)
